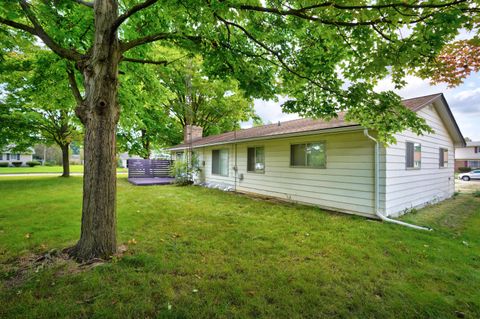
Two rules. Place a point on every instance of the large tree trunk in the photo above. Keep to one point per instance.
(99, 114)
(65, 160)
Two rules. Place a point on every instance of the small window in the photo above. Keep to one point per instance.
(256, 159)
(8, 157)
(413, 155)
(1, 156)
(477, 149)
(443, 160)
(18, 156)
(308, 155)
(220, 162)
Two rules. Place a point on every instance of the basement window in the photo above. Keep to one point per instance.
(413, 155)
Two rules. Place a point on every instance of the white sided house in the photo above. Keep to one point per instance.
(468, 156)
(13, 158)
(334, 165)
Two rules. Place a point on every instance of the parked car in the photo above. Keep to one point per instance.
(475, 174)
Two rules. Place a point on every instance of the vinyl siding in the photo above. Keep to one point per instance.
(408, 188)
(346, 184)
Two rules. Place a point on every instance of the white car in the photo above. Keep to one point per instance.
(475, 174)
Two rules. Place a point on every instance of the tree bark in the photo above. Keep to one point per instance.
(99, 113)
(65, 160)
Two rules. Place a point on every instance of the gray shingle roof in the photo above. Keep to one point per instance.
(296, 126)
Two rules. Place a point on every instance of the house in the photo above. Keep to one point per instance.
(335, 165)
(468, 156)
(12, 157)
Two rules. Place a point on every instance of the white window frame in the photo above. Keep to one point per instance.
(323, 143)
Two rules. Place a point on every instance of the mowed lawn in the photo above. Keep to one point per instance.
(202, 253)
(46, 169)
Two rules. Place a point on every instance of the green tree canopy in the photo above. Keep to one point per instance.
(38, 104)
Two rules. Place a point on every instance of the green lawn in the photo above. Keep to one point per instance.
(45, 169)
(203, 253)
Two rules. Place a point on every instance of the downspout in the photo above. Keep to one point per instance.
(377, 189)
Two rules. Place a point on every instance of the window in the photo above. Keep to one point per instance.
(220, 162)
(256, 159)
(18, 156)
(308, 155)
(443, 159)
(473, 164)
(477, 149)
(1, 156)
(8, 157)
(413, 155)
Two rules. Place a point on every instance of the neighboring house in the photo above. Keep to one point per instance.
(334, 164)
(123, 157)
(468, 156)
(10, 157)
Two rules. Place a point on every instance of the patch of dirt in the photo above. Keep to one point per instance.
(25, 265)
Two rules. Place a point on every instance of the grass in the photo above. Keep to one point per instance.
(203, 253)
(45, 169)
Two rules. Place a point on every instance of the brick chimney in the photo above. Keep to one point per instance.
(191, 133)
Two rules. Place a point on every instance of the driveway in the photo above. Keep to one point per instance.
(467, 187)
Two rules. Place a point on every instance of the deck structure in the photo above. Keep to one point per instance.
(143, 172)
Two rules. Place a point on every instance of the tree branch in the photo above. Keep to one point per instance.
(302, 12)
(276, 54)
(131, 11)
(40, 32)
(73, 84)
(156, 37)
(144, 61)
(17, 25)
(85, 3)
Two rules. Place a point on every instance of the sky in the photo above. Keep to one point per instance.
(464, 102)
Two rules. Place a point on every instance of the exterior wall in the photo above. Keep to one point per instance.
(467, 153)
(408, 188)
(24, 158)
(345, 185)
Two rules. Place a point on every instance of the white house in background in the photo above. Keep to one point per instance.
(11, 157)
(468, 156)
(335, 165)
(124, 157)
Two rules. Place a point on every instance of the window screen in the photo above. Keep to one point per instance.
(443, 157)
(256, 159)
(220, 162)
(308, 155)
(413, 155)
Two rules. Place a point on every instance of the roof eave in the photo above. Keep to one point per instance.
(352, 127)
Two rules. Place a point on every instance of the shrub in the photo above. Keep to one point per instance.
(464, 169)
(4, 164)
(476, 194)
(50, 163)
(33, 163)
(17, 164)
(183, 173)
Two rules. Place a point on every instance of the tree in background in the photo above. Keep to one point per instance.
(145, 124)
(37, 100)
(326, 56)
(216, 105)
(454, 64)
(159, 101)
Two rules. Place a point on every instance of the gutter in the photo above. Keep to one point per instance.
(377, 190)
